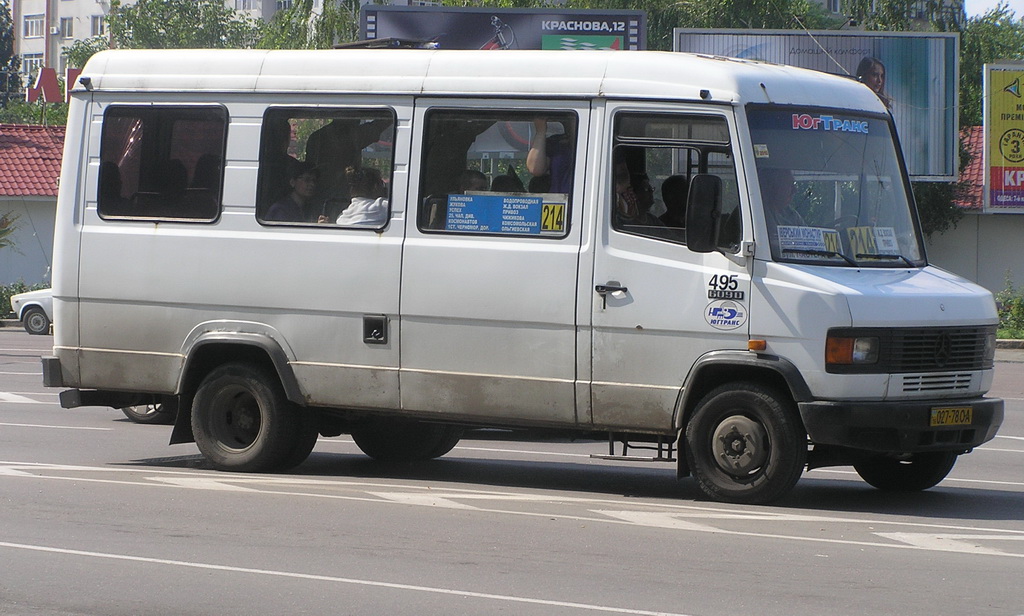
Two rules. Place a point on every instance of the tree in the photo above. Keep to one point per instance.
(994, 36)
(299, 28)
(179, 24)
(79, 52)
(10, 63)
(7, 228)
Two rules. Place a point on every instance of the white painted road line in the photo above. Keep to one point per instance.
(17, 425)
(340, 580)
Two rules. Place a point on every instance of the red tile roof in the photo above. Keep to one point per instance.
(30, 160)
(973, 175)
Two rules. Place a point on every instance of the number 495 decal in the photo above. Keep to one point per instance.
(724, 286)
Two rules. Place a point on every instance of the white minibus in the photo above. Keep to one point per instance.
(711, 261)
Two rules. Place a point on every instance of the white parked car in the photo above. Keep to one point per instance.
(35, 310)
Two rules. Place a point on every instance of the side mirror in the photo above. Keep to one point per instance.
(703, 212)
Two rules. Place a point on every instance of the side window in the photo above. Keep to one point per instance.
(654, 158)
(326, 167)
(162, 163)
(497, 172)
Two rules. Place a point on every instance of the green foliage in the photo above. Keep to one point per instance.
(298, 27)
(996, 35)
(47, 114)
(7, 228)
(936, 207)
(79, 52)
(179, 24)
(10, 62)
(1010, 304)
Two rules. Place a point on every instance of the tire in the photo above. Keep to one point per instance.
(242, 421)
(406, 441)
(910, 473)
(35, 321)
(148, 414)
(745, 444)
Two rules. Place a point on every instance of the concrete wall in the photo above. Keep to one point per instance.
(983, 248)
(30, 257)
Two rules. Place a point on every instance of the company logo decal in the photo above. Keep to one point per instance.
(725, 314)
(805, 121)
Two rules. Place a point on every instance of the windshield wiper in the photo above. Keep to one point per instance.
(824, 253)
(872, 255)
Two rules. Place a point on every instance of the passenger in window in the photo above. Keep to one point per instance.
(472, 180)
(111, 201)
(336, 147)
(205, 187)
(777, 190)
(674, 191)
(508, 183)
(633, 198)
(551, 155)
(540, 184)
(369, 205)
(279, 166)
(294, 206)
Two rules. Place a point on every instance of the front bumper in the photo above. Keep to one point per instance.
(899, 426)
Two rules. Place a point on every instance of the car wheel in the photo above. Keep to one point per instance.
(909, 473)
(243, 421)
(745, 444)
(406, 441)
(35, 321)
(148, 414)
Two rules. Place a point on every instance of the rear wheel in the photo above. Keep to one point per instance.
(148, 414)
(243, 421)
(393, 440)
(35, 321)
(906, 473)
(745, 444)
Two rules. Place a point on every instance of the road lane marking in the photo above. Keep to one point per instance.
(1016, 438)
(437, 590)
(17, 425)
(966, 544)
(15, 398)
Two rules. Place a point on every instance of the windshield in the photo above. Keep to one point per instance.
(832, 188)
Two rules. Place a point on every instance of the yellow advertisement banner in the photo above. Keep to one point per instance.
(1004, 137)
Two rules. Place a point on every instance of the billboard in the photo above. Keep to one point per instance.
(1004, 138)
(919, 78)
(477, 28)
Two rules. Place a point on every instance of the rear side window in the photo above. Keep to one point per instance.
(498, 172)
(326, 167)
(162, 163)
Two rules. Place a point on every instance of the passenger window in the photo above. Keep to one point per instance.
(328, 168)
(162, 163)
(497, 172)
(654, 158)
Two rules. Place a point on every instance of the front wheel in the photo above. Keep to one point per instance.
(243, 421)
(745, 444)
(36, 322)
(906, 473)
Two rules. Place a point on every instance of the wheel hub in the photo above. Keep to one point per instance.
(740, 445)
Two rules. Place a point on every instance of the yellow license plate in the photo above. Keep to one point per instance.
(952, 416)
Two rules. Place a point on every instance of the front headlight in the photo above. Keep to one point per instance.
(846, 351)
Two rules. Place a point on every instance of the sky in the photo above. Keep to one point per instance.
(978, 7)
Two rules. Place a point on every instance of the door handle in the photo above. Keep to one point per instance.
(612, 288)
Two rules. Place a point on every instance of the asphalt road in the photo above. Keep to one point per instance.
(100, 516)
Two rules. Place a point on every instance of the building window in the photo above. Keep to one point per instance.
(283, 5)
(245, 5)
(31, 63)
(99, 25)
(34, 26)
(67, 27)
(833, 6)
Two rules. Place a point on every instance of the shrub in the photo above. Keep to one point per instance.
(1010, 304)
(6, 291)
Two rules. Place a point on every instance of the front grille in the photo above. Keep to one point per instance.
(947, 350)
(938, 348)
(937, 382)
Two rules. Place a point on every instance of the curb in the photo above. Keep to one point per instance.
(1010, 344)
